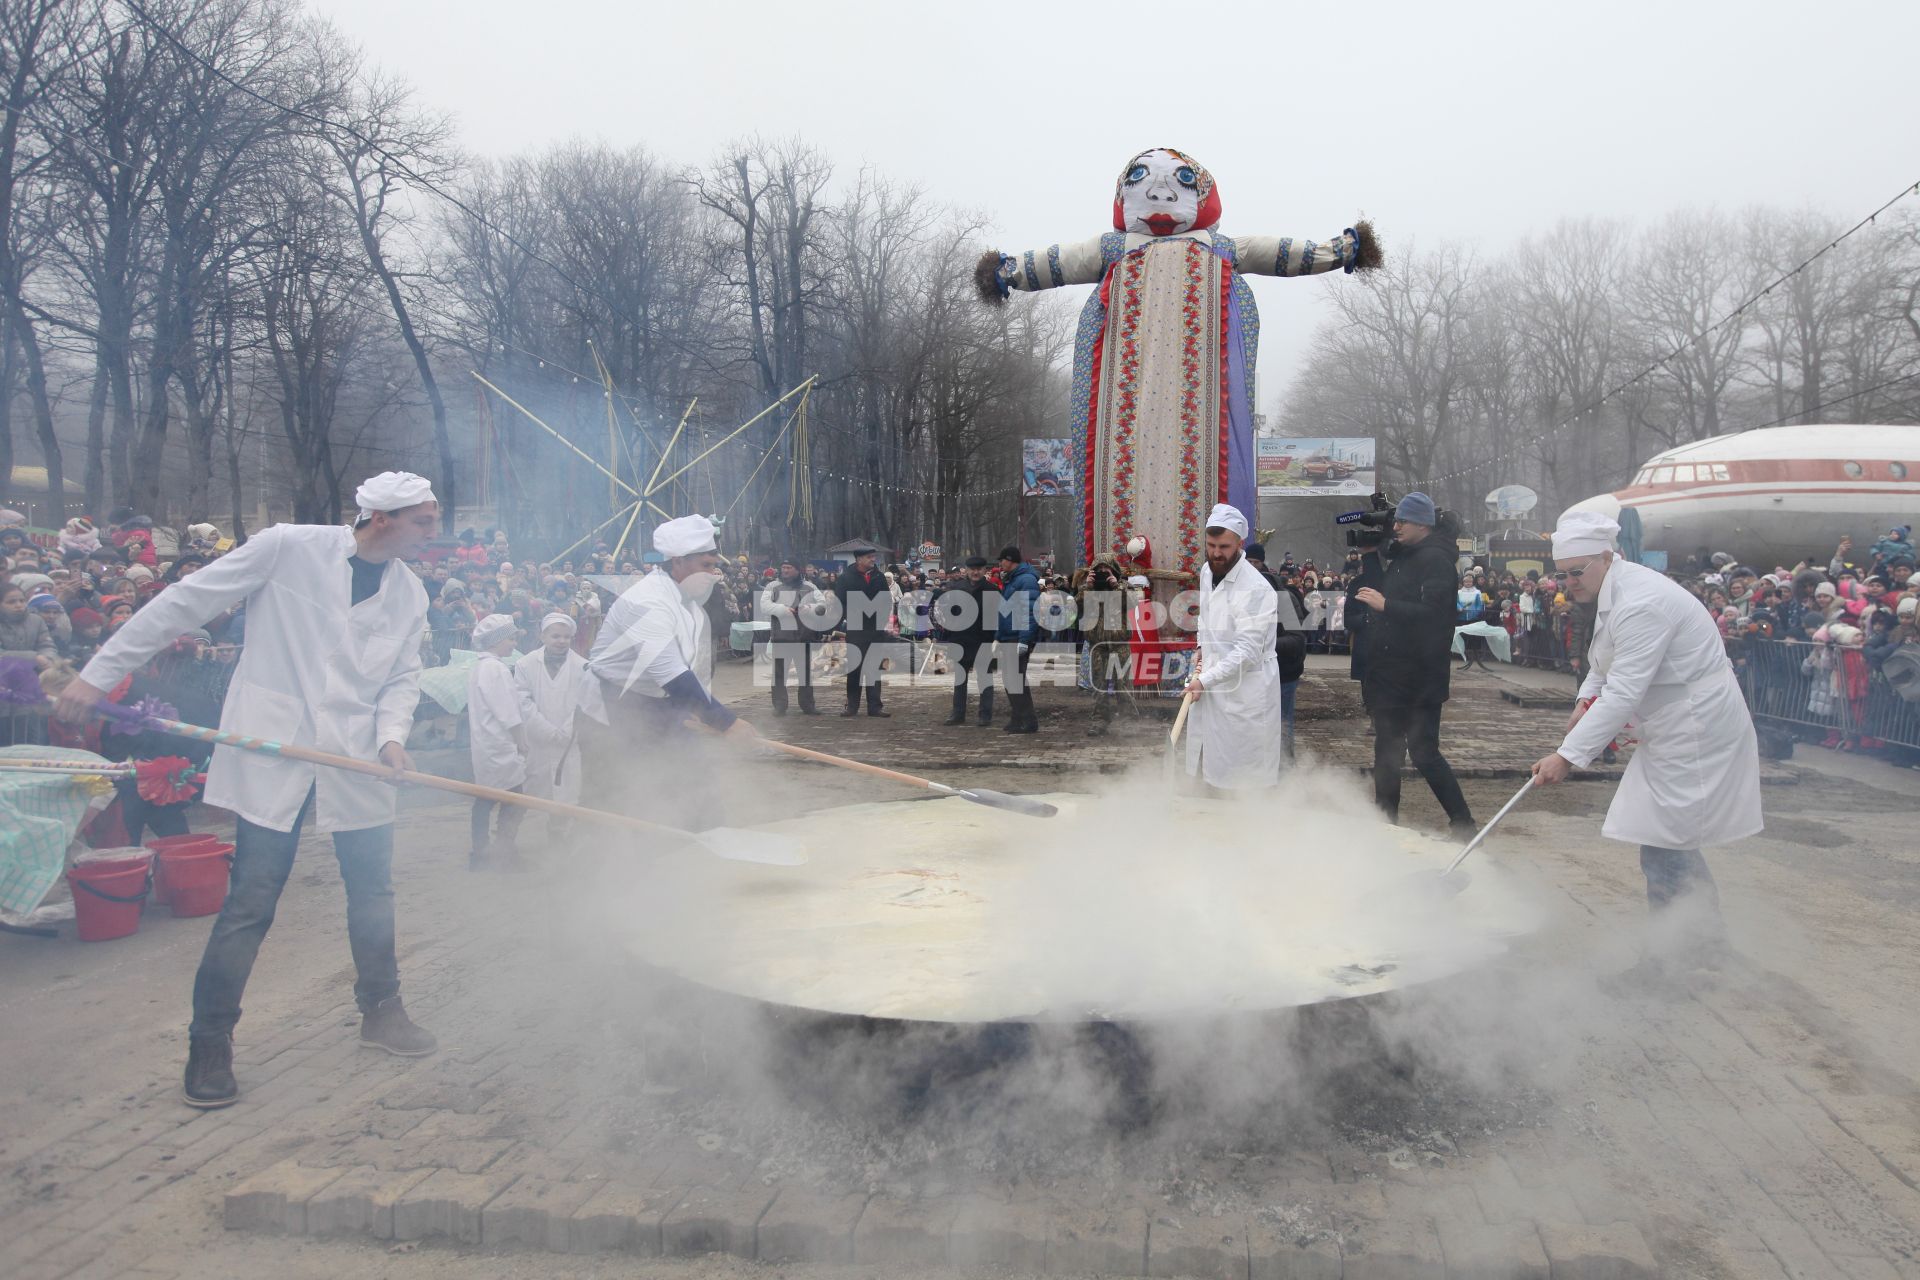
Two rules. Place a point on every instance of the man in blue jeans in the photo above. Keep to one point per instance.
(1658, 661)
(332, 662)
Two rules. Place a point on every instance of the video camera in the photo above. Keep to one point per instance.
(1376, 524)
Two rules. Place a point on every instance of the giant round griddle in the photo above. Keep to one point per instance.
(1120, 909)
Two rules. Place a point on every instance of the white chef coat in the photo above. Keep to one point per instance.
(1233, 730)
(652, 634)
(549, 705)
(493, 713)
(1658, 660)
(317, 671)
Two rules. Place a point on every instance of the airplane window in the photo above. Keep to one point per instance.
(1645, 475)
(1662, 475)
(1855, 470)
(1899, 470)
(1683, 474)
(1720, 471)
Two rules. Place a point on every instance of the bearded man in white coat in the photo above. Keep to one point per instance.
(332, 661)
(1234, 728)
(654, 660)
(555, 690)
(497, 740)
(1657, 662)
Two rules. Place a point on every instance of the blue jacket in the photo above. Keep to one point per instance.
(1894, 551)
(1019, 610)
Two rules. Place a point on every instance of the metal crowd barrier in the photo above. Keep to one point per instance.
(23, 726)
(1831, 687)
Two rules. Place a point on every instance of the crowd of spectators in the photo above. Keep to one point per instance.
(61, 597)
(1810, 637)
(1821, 630)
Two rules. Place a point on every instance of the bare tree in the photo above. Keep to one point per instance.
(237, 88)
(1688, 278)
(33, 34)
(1394, 365)
(387, 148)
(313, 312)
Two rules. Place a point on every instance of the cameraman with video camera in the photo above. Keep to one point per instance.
(1407, 588)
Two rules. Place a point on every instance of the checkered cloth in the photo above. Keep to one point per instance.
(448, 685)
(39, 816)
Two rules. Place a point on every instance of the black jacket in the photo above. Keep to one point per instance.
(865, 603)
(1409, 646)
(1289, 646)
(1292, 645)
(1371, 573)
(968, 603)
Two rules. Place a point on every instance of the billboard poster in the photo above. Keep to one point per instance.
(1320, 465)
(1045, 471)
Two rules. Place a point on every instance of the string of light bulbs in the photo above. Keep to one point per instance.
(1594, 407)
(908, 489)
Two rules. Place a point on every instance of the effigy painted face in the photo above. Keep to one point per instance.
(1162, 192)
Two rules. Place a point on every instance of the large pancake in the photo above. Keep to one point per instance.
(1126, 908)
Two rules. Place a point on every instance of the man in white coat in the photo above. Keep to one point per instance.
(1657, 661)
(555, 690)
(1234, 728)
(654, 660)
(497, 739)
(332, 661)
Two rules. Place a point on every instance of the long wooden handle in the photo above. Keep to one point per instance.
(351, 765)
(858, 766)
(1179, 721)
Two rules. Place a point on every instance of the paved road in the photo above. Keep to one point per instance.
(1762, 1124)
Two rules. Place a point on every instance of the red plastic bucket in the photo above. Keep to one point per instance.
(109, 892)
(197, 878)
(162, 846)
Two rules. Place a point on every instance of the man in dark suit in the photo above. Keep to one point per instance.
(865, 601)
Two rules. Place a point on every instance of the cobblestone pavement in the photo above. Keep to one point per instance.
(583, 1119)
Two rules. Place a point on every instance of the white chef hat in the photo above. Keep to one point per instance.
(1583, 533)
(1225, 517)
(491, 629)
(391, 491)
(1138, 580)
(558, 620)
(686, 536)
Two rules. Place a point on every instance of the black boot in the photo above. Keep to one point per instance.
(806, 701)
(959, 712)
(986, 706)
(1020, 717)
(210, 1083)
(387, 1026)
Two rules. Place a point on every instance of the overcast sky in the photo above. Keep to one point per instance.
(1463, 121)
